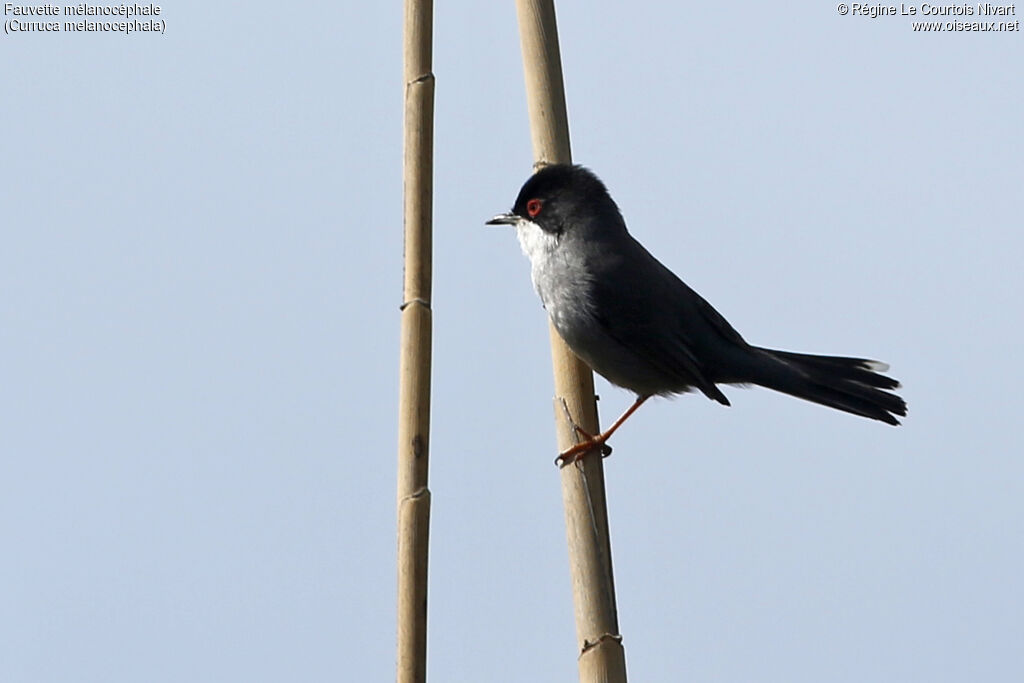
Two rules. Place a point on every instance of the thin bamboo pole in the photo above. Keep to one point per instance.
(414, 363)
(601, 655)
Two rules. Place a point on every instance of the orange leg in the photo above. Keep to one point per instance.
(591, 442)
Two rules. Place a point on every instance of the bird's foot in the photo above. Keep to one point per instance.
(589, 443)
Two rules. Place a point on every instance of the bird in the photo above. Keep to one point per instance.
(635, 323)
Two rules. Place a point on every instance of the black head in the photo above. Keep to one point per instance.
(560, 196)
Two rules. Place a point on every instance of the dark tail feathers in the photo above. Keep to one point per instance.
(850, 384)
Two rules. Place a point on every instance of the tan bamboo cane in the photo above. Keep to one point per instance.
(414, 364)
(601, 655)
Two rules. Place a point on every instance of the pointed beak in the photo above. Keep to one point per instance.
(504, 219)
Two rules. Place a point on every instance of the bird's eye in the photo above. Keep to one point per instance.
(533, 207)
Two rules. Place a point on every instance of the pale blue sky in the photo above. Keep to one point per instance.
(201, 273)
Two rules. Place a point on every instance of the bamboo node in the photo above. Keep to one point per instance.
(424, 78)
(421, 492)
(422, 302)
(590, 645)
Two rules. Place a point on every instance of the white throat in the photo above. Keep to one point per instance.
(537, 244)
(541, 247)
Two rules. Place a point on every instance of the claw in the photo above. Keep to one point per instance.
(571, 455)
(574, 453)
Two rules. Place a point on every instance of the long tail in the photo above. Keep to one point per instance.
(854, 385)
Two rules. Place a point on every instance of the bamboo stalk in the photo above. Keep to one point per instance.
(414, 363)
(601, 655)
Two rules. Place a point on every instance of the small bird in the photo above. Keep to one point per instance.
(642, 328)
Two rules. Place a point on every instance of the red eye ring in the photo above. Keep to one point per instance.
(533, 207)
